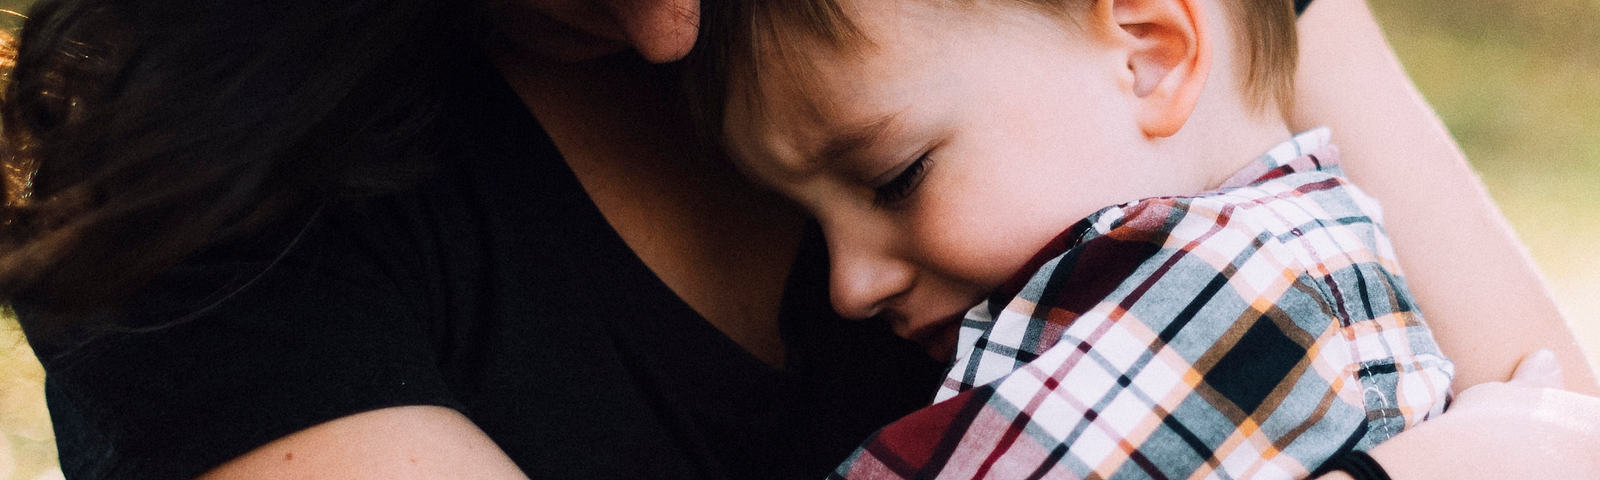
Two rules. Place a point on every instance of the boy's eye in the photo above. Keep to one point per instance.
(902, 185)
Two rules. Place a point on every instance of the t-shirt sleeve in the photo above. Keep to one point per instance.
(1300, 6)
(221, 358)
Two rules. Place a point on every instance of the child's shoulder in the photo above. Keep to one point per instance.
(1276, 210)
(1309, 221)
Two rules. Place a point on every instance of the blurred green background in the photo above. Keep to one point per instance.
(1517, 81)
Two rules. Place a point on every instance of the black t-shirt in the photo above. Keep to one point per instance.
(497, 289)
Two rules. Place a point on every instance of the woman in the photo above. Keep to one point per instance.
(604, 302)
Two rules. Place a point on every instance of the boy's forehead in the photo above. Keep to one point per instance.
(805, 94)
(798, 82)
(822, 72)
(847, 27)
(800, 117)
(784, 114)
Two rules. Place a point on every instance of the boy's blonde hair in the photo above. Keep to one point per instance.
(735, 33)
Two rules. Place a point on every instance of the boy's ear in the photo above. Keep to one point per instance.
(1168, 45)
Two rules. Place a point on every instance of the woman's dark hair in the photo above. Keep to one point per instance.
(136, 132)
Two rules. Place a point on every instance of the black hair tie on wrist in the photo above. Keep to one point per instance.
(1360, 466)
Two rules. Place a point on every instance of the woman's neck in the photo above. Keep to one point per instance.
(722, 245)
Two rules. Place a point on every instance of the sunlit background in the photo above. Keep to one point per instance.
(1517, 81)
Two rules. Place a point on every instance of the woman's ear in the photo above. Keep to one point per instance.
(1168, 48)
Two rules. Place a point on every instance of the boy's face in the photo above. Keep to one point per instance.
(942, 157)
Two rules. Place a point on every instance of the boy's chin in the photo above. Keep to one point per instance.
(941, 344)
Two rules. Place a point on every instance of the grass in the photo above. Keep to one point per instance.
(1518, 83)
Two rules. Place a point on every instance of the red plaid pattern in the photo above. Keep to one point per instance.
(1254, 331)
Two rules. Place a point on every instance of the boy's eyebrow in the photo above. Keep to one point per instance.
(848, 139)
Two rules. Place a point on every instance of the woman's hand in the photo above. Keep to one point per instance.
(1527, 427)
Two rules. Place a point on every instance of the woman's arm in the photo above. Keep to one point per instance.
(1524, 428)
(1481, 293)
(393, 443)
(1485, 300)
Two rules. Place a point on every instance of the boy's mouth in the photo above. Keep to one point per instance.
(937, 337)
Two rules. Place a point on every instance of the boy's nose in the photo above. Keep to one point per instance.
(865, 279)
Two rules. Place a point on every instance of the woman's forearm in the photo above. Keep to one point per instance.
(1525, 427)
(1480, 291)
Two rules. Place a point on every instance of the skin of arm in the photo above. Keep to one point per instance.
(1451, 237)
(1482, 295)
(1528, 427)
(392, 443)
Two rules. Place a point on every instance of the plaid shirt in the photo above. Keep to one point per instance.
(1254, 331)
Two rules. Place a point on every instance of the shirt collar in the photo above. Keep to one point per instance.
(1307, 151)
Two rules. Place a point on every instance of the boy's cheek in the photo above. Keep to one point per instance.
(990, 254)
(977, 255)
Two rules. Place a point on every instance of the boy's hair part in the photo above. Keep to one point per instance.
(738, 32)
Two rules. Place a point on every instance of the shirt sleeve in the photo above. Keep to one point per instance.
(230, 351)
(1300, 6)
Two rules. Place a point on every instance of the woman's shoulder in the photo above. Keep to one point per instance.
(233, 347)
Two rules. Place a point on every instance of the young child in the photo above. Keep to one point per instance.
(1231, 315)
